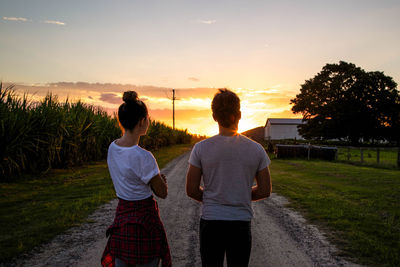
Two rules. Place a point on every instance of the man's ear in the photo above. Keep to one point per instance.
(237, 117)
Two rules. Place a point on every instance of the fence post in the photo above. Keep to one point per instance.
(377, 155)
(398, 157)
(361, 155)
(308, 152)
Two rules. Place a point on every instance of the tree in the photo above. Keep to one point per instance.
(347, 103)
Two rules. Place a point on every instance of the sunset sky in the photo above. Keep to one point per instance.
(262, 50)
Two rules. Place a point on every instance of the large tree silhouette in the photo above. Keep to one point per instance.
(345, 102)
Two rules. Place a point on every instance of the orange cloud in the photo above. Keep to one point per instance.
(111, 98)
(192, 109)
(285, 114)
(194, 79)
(278, 101)
(180, 114)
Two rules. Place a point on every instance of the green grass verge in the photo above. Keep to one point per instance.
(387, 156)
(165, 155)
(358, 206)
(33, 211)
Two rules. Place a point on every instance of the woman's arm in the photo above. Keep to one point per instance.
(263, 188)
(193, 179)
(159, 185)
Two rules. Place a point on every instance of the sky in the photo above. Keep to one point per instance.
(262, 50)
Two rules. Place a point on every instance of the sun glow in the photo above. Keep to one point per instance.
(245, 125)
(192, 110)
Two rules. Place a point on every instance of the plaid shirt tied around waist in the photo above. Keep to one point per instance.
(137, 235)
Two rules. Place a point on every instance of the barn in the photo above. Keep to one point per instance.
(277, 129)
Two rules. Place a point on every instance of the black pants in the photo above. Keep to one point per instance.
(220, 237)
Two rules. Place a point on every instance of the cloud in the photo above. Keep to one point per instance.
(144, 91)
(278, 101)
(285, 114)
(15, 19)
(193, 107)
(181, 114)
(209, 22)
(111, 98)
(195, 121)
(194, 79)
(54, 22)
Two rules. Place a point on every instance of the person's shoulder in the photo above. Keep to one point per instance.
(112, 148)
(249, 141)
(112, 144)
(144, 152)
(207, 141)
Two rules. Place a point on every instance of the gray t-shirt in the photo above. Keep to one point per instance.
(229, 165)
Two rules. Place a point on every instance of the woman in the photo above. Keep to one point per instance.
(137, 236)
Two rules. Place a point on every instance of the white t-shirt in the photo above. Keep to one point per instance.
(229, 165)
(131, 169)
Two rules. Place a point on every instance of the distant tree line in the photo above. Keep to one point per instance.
(345, 102)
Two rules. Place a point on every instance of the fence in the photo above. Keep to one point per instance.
(372, 156)
(382, 156)
(305, 151)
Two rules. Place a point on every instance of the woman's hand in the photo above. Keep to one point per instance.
(164, 178)
(159, 185)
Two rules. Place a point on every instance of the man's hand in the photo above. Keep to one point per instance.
(263, 188)
(193, 188)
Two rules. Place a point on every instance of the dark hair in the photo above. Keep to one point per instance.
(132, 111)
(226, 107)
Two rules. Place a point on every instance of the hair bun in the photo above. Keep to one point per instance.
(130, 96)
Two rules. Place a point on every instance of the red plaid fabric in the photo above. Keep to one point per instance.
(137, 235)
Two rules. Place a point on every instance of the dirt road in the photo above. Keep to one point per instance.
(281, 237)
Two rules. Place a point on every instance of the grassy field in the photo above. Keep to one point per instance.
(358, 206)
(35, 209)
(387, 156)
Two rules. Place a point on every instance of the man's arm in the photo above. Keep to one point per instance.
(263, 188)
(193, 179)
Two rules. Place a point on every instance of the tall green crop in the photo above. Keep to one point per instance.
(37, 136)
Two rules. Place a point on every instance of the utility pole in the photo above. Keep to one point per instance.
(173, 108)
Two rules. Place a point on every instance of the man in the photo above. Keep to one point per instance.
(228, 163)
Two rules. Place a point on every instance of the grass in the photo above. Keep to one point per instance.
(165, 155)
(35, 209)
(387, 156)
(358, 206)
